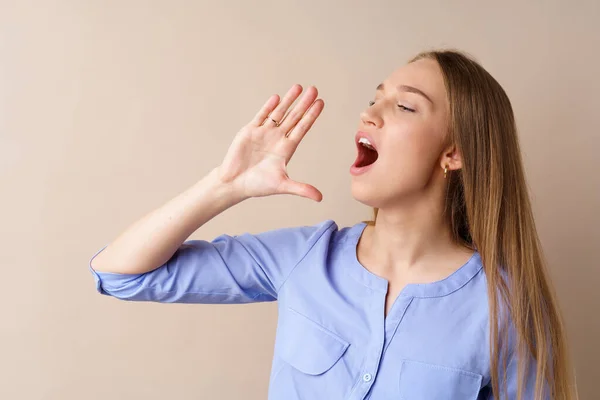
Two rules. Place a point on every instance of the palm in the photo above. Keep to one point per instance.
(256, 160)
(259, 160)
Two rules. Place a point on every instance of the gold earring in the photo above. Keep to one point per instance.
(445, 172)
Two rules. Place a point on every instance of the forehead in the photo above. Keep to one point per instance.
(424, 74)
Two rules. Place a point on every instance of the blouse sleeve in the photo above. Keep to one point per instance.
(228, 269)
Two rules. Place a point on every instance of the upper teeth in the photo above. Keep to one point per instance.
(365, 142)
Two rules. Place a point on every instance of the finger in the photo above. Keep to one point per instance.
(301, 189)
(289, 98)
(266, 109)
(299, 109)
(307, 121)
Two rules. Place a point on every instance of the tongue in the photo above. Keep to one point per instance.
(365, 157)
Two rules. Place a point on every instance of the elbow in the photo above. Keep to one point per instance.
(113, 281)
(101, 262)
(106, 262)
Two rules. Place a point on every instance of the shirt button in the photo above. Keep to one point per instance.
(367, 377)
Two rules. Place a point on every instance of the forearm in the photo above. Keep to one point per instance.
(151, 241)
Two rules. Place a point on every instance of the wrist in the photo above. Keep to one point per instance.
(225, 192)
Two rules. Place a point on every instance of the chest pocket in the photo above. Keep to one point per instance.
(306, 345)
(420, 381)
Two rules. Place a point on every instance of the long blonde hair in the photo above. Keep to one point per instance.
(489, 209)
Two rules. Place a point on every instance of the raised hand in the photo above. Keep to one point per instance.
(256, 161)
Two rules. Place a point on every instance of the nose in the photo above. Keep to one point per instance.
(370, 117)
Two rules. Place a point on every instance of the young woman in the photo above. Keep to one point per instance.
(443, 296)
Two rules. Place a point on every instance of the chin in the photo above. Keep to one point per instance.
(365, 193)
(377, 194)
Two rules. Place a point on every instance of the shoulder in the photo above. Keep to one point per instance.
(325, 231)
(313, 243)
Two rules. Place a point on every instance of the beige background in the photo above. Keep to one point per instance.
(109, 108)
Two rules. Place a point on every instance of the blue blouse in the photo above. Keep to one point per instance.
(333, 340)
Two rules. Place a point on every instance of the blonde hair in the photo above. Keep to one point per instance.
(489, 209)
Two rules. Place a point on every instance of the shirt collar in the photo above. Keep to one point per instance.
(444, 287)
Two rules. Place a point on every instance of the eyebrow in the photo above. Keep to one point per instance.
(410, 89)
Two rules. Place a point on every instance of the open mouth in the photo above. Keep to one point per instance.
(367, 154)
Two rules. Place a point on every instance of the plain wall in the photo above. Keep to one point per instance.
(110, 108)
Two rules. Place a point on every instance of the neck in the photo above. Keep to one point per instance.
(410, 236)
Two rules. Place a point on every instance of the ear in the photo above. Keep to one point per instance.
(451, 158)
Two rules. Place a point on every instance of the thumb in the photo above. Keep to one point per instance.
(290, 186)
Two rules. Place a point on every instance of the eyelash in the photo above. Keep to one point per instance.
(400, 106)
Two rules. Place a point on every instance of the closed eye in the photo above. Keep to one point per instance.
(400, 106)
(404, 108)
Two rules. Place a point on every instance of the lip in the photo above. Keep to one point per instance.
(354, 170)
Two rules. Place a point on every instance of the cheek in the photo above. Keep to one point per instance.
(413, 150)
